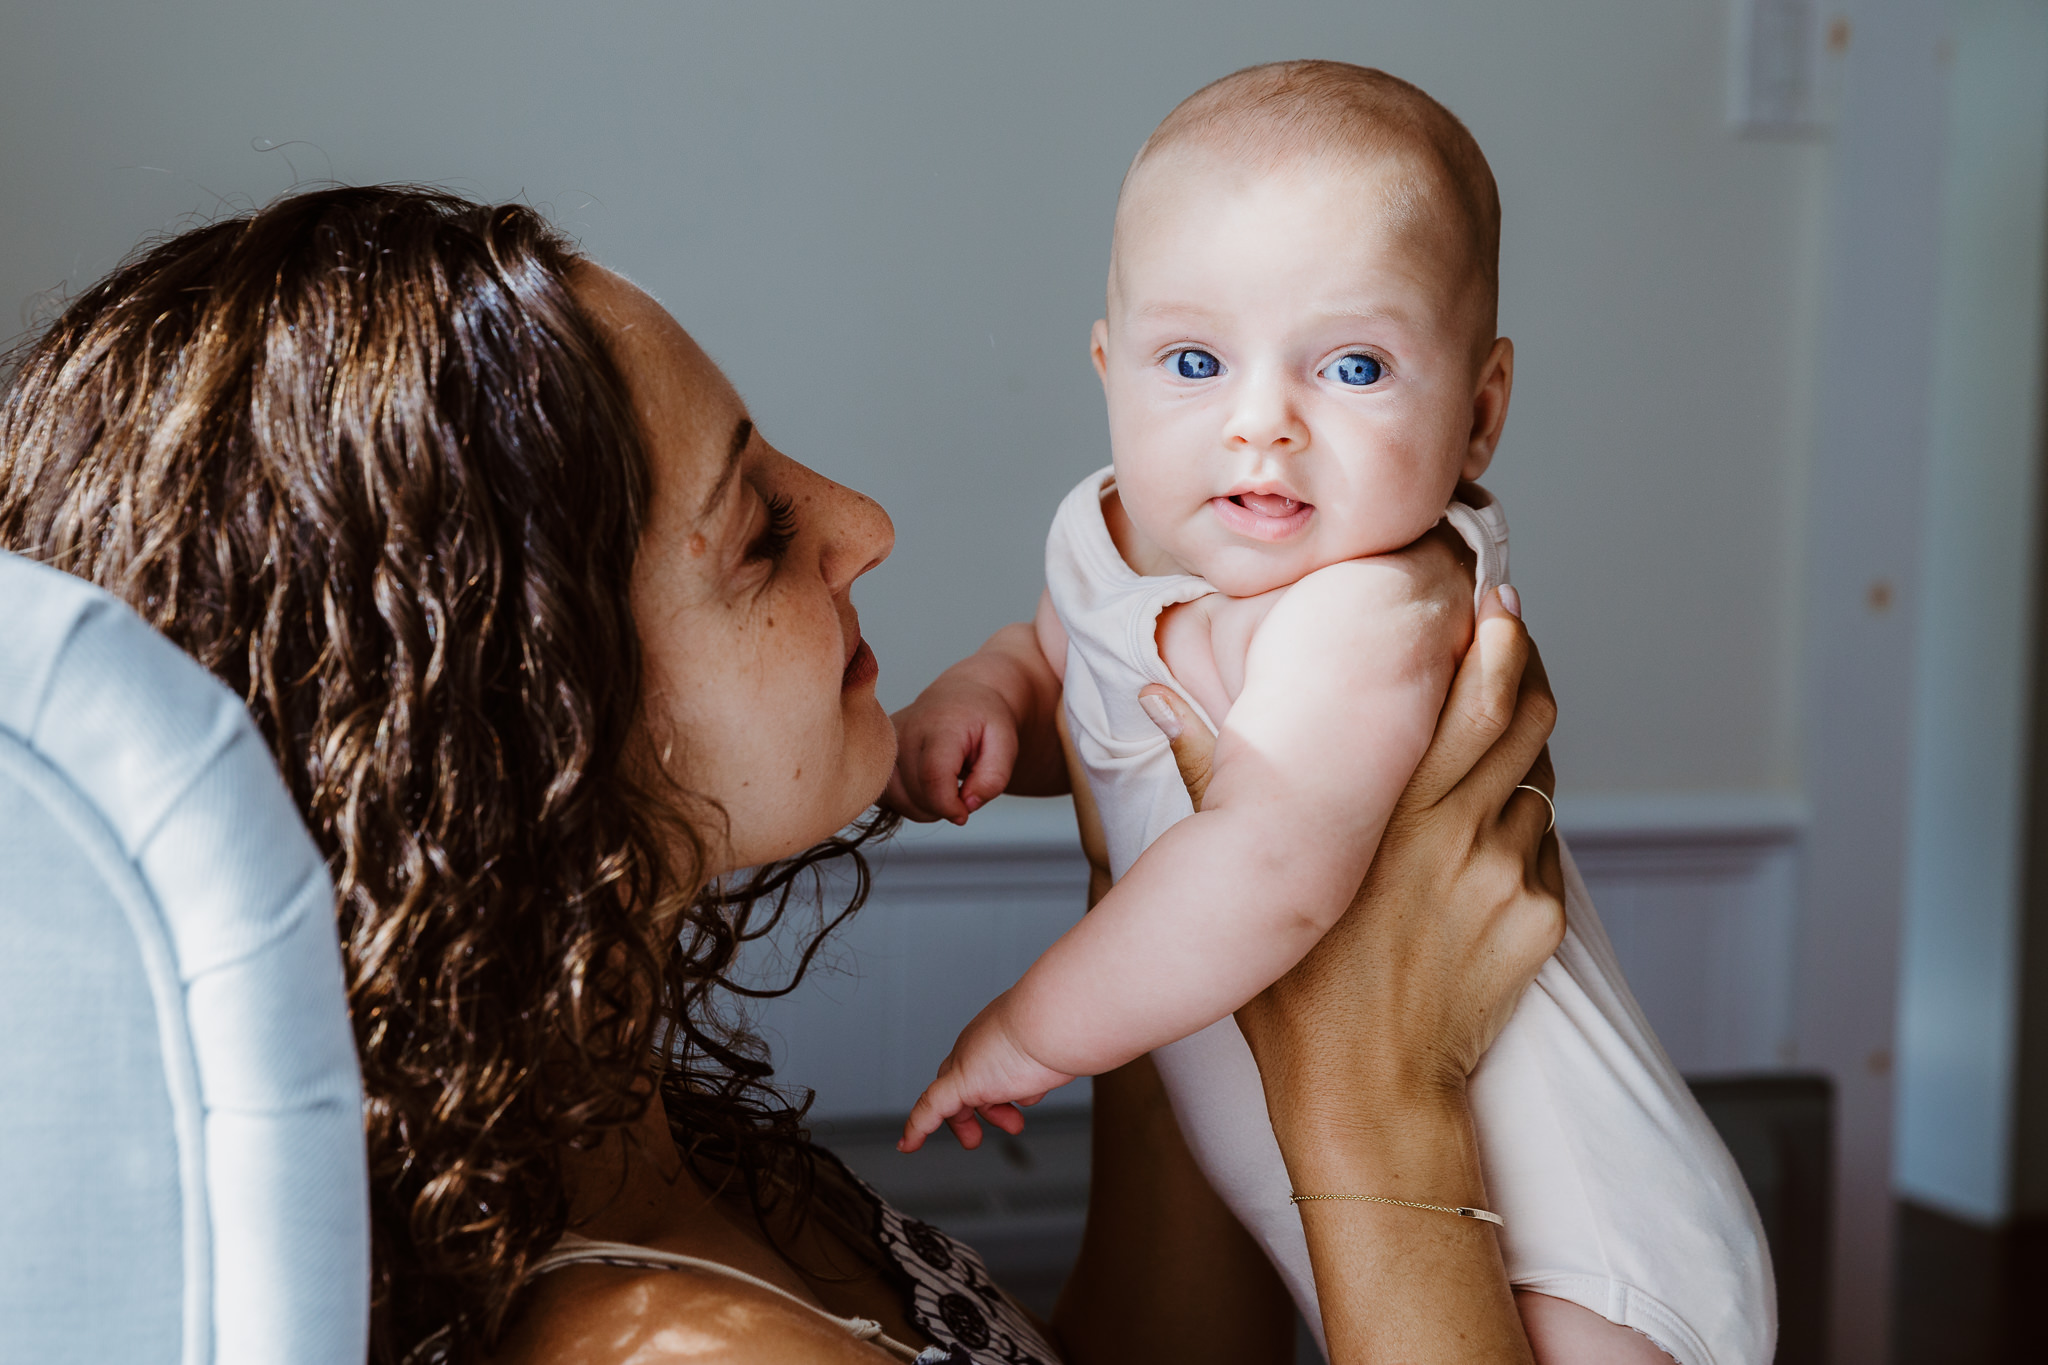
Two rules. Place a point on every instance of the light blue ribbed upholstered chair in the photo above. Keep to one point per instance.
(181, 1155)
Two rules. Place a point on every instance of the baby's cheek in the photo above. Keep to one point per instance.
(1380, 527)
(1158, 491)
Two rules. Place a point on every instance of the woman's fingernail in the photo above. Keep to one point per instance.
(1512, 600)
(1162, 714)
(973, 804)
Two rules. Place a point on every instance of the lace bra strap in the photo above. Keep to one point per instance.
(574, 1250)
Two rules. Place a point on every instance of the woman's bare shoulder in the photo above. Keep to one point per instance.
(611, 1315)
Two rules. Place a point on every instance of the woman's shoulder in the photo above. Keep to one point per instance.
(630, 1315)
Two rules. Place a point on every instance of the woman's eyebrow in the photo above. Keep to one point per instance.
(741, 436)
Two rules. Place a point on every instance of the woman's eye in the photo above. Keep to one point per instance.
(1355, 370)
(775, 538)
(1193, 364)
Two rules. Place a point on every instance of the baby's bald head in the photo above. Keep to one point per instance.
(1435, 183)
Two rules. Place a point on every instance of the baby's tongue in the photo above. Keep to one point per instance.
(1269, 504)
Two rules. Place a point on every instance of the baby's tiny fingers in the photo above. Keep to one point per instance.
(990, 773)
(938, 769)
(896, 796)
(921, 1124)
(931, 1109)
(1005, 1117)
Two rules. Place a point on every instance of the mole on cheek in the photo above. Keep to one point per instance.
(695, 546)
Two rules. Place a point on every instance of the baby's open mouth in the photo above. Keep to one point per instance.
(1262, 516)
(1268, 504)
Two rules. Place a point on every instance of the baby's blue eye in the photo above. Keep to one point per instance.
(1356, 370)
(1195, 364)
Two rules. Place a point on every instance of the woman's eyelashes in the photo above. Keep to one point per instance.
(779, 532)
(1356, 369)
(1193, 364)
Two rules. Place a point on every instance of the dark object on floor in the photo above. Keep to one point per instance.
(1965, 1294)
(1780, 1129)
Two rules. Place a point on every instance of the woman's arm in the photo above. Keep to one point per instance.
(1165, 1271)
(1343, 684)
(1365, 1046)
(1461, 906)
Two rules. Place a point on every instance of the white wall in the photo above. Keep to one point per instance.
(889, 221)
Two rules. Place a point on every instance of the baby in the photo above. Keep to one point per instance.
(1303, 380)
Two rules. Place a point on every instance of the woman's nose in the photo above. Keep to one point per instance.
(855, 532)
(1264, 416)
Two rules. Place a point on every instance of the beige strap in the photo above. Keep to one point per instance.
(574, 1250)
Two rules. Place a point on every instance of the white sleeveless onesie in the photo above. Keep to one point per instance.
(1616, 1190)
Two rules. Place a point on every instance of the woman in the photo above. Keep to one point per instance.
(550, 643)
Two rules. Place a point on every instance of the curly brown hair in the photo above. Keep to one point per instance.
(361, 454)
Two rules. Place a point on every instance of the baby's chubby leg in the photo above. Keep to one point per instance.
(1563, 1333)
(988, 1072)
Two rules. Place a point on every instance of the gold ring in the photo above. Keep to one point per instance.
(1525, 787)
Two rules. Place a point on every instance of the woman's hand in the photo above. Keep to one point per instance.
(1365, 1046)
(1464, 901)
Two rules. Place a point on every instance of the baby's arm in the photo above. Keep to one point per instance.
(1342, 685)
(985, 726)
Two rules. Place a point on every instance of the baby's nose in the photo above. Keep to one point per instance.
(1266, 418)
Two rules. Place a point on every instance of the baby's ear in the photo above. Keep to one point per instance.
(1489, 407)
(1098, 348)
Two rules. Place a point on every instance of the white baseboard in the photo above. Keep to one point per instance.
(1698, 891)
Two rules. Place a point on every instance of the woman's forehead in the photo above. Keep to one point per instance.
(687, 408)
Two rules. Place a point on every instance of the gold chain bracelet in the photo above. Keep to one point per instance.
(1481, 1214)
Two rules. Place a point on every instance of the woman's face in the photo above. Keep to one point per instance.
(760, 692)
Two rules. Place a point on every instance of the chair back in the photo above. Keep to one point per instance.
(182, 1173)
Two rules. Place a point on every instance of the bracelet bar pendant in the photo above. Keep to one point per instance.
(1459, 1210)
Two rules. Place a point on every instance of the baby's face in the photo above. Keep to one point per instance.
(1292, 379)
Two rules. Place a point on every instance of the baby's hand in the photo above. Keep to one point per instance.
(956, 746)
(987, 1071)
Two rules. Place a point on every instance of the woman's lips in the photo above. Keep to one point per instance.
(861, 669)
(1262, 516)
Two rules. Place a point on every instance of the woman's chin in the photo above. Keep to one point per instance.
(872, 736)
